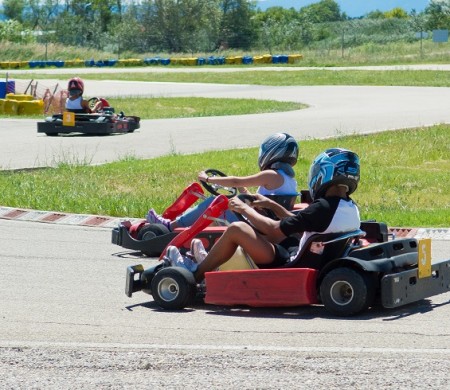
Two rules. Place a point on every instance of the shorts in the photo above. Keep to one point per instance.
(283, 252)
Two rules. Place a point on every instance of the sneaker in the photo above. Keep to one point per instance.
(153, 217)
(198, 250)
(177, 260)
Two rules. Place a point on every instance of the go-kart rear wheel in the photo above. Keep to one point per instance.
(346, 292)
(173, 288)
(149, 232)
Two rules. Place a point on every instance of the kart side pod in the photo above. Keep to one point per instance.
(262, 287)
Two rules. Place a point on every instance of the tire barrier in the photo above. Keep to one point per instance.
(131, 62)
(21, 105)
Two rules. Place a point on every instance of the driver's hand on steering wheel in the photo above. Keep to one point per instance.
(237, 205)
(202, 176)
(261, 202)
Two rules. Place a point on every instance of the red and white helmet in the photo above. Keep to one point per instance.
(75, 84)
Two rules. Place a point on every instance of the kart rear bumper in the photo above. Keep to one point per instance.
(406, 287)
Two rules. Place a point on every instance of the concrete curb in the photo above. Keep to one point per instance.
(110, 222)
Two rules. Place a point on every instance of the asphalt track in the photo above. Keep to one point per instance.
(65, 322)
(333, 110)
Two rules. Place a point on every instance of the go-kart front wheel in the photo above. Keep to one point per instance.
(346, 292)
(173, 288)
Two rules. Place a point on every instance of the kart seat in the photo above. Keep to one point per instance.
(319, 249)
(287, 201)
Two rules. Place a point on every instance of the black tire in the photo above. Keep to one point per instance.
(149, 231)
(51, 134)
(173, 288)
(347, 292)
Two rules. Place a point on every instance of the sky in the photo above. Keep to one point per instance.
(353, 8)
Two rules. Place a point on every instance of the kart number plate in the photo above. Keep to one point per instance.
(68, 118)
(424, 259)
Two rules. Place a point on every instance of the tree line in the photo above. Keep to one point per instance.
(196, 26)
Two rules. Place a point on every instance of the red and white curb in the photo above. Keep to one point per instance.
(62, 218)
(111, 222)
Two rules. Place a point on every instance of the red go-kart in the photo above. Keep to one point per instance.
(151, 239)
(342, 271)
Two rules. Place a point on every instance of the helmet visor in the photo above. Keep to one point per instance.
(74, 92)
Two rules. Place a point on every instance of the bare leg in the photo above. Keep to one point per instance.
(237, 234)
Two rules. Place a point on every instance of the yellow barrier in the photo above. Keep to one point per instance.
(14, 64)
(10, 107)
(2, 104)
(267, 59)
(19, 97)
(34, 107)
(131, 62)
(293, 58)
(74, 63)
(236, 60)
(190, 61)
(258, 60)
(175, 61)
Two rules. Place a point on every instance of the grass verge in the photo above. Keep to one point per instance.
(404, 178)
(189, 107)
(258, 76)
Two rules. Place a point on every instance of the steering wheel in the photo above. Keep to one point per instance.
(246, 198)
(92, 102)
(217, 189)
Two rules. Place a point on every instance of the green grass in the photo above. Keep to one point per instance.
(429, 78)
(404, 179)
(188, 107)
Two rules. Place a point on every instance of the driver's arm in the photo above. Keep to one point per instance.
(269, 179)
(265, 225)
(85, 105)
(261, 202)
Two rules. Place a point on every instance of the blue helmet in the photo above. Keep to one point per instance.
(279, 147)
(334, 166)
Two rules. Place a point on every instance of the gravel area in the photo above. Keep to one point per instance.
(88, 368)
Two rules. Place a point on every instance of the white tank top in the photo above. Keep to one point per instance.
(74, 104)
(289, 186)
